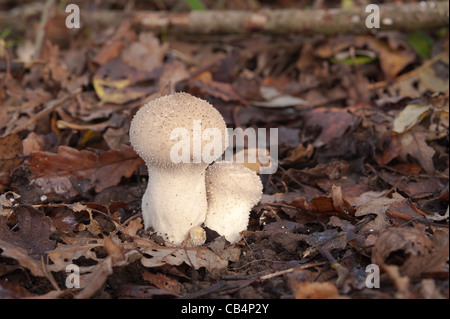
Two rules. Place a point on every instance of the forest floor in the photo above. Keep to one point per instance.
(361, 187)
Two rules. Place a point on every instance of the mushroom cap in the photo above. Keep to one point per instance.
(151, 128)
(232, 190)
(234, 181)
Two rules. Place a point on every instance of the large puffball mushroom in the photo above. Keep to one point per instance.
(177, 136)
(232, 191)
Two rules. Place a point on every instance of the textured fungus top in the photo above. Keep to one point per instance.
(158, 126)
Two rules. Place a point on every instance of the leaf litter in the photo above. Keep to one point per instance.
(362, 176)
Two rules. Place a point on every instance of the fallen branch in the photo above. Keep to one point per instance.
(406, 17)
(411, 16)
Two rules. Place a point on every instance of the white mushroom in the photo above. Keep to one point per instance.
(232, 191)
(178, 136)
(197, 236)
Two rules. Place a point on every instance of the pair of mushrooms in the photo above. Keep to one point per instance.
(181, 196)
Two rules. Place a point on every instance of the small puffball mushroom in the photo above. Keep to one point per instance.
(232, 191)
(197, 236)
(175, 198)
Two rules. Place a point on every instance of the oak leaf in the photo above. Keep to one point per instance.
(55, 173)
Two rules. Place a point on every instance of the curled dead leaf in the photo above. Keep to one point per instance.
(411, 250)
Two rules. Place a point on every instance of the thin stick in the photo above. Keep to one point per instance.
(50, 107)
(40, 36)
(285, 271)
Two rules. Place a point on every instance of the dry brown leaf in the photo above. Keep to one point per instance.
(33, 142)
(414, 143)
(93, 226)
(21, 256)
(392, 61)
(63, 255)
(196, 257)
(113, 250)
(11, 152)
(111, 50)
(11, 290)
(93, 281)
(378, 206)
(54, 173)
(147, 54)
(32, 232)
(162, 281)
(115, 82)
(332, 121)
(220, 90)
(328, 240)
(7, 203)
(314, 290)
(132, 227)
(299, 154)
(411, 250)
(336, 202)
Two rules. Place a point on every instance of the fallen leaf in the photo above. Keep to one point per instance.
(411, 250)
(32, 233)
(378, 206)
(196, 257)
(7, 202)
(133, 226)
(115, 44)
(21, 256)
(409, 116)
(392, 61)
(115, 82)
(33, 143)
(328, 240)
(64, 255)
(96, 279)
(146, 54)
(299, 155)
(10, 290)
(143, 292)
(162, 281)
(274, 98)
(11, 152)
(220, 90)
(333, 122)
(52, 172)
(420, 80)
(314, 290)
(113, 250)
(414, 143)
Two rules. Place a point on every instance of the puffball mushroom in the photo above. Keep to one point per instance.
(177, 136)
(232, 191)
(197, 236)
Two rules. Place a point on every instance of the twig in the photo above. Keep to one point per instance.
(8, 65)
(220, 287)
(285, 271)
(50, 107)
(40, 36)
(342, 272)
(194, 276)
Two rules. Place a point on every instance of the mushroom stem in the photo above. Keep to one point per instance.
(181, 212)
